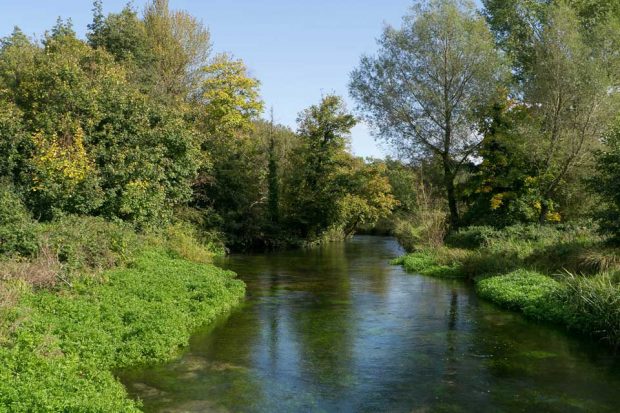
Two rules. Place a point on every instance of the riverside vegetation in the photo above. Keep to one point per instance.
(513, 131)
(564, 274)
(130, 158)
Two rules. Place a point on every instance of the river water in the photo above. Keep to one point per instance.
(338, 329)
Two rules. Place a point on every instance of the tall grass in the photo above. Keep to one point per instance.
(593, 305)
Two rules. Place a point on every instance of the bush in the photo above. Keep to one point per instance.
(606, 183)
(471, 237)
(182, 240)
(86, 244)
(427, 232)
(18, 235)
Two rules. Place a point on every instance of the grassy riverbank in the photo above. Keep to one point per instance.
(98, 297)
(559, 274)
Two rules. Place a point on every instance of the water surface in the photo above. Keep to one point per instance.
(337, 329)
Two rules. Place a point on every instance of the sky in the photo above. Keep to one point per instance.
(298, 49)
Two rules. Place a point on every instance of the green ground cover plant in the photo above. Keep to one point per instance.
(60, 347)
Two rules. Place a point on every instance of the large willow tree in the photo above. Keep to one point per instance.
(421, 91)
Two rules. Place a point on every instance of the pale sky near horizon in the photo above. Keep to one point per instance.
(299, 50)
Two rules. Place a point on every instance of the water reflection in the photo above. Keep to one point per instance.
(338, 329)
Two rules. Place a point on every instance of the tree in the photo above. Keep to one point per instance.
(500, 190)
(572, 102)
(124, 36)
(312, 192)
(272, 176)
(422, 89)
(605, 182)
(516, 25)
(366, 194)
(181, 45)
(226, 110)
(229, 98)
(165, 50)
(91, 141)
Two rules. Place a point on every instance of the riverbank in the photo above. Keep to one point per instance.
(66, 325)
(563, 274)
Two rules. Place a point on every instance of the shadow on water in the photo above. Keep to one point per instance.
(338, 329)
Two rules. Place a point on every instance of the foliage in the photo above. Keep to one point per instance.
(13, 141)
(97, 145)
(571, 103)
(327, 189)
(532, 293)
(367, 194)
(229, 96)
(426, 263)
(63, 354)
(312, 189)
(425, 226)
(594, 306)
(403, 180)
(606, 183)
(18, 234)
(422, 90)
(500, 191)
(86, 245)
(182, 240)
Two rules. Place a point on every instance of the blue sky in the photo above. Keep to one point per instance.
(298, 49)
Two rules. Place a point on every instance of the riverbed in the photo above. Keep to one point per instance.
(338, 329)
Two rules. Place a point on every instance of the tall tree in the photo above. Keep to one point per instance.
(272, 175)
(181, 45)
(422, 90)
(572, 100)
(606, 183)
(312, 194)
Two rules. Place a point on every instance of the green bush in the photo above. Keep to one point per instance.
(18, 235)
(68, 343)
(471, 237)
(182, 240)
(85, 244)
(606, 183)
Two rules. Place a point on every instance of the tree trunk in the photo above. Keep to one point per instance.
(451, 193)
(544, 209)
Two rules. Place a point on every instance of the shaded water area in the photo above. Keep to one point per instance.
(337, 329)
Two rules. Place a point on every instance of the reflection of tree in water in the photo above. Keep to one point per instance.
(323, 321)
(451, 367)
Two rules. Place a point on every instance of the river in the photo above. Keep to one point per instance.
(338, 329)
